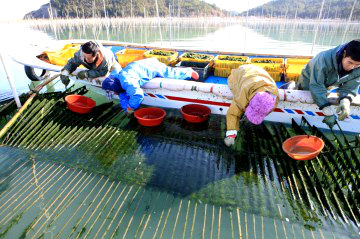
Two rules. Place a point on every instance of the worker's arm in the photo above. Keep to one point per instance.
(317, 85)
(233, 116)
(133, 91)
(73, 63)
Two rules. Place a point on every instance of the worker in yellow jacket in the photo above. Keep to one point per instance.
(255, 95)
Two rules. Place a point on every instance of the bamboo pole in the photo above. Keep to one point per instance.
(317, 26)
(11, 82)
(27, 103)
(348, 21)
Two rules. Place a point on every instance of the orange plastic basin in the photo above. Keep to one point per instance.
(79, 103)
(151, 116)
(303, 147)
(195, 113)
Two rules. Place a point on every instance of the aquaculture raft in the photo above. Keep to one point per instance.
(209, 90)
(67, 175)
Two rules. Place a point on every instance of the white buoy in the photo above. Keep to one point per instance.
(11, 82)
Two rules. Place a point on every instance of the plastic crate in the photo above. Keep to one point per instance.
(302, 61)
(222, 72)
(185, 57)
(293, 72)
(269, 64)
(204, 72)
(168, 60)
(223, 61)
(277, 76)
(294, 66)
(128, 55)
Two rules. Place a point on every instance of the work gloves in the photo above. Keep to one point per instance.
(330, 118)
(230, 137)
(343, 109)
(64, 77)
(82, 75)
(129, 111)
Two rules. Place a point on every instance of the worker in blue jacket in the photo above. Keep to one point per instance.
(128, 82)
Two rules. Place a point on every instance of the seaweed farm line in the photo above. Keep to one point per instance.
(102, 175)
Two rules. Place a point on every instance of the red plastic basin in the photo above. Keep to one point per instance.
(303, 147)
(151, 116)
(195, 113)
(79, 103)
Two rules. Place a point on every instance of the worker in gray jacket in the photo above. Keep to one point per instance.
(96, 58)
(338, 67)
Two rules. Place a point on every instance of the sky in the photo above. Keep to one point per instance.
(16, 9)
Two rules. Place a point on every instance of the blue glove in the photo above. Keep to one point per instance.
(330, 120)
(135, 101)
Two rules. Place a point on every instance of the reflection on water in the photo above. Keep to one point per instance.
(329, 34)
(130, 32)
(249, 35)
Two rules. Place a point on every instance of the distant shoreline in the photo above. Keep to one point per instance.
(213, 20)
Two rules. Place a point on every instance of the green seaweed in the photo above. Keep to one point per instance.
(81, 232)
(198, 56)
(262, 186)
(25, 231)
(265, 61)
(161, 53)
(13, 221)
(232, 58)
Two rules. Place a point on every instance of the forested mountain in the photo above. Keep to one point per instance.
(332, 9)
(125, 8)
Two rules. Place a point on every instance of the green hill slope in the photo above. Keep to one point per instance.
(307, 9)
(125, 8)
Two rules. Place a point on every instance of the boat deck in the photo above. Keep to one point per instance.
(65, 175)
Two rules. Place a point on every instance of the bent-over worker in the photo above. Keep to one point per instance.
(255, 95)
(128, 82)
(99, 61)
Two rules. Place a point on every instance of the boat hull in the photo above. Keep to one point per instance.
(285, 112)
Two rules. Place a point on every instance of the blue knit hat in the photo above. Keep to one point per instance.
(112, 84)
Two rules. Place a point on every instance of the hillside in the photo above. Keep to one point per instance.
(307, 9)
(125, 8)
